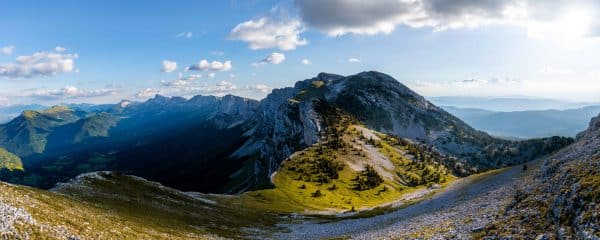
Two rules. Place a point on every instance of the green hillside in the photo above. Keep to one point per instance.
(352, 168)
(10, 161)
(113, 206)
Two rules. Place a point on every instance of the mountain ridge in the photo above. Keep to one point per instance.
(288, 122)
(257, 136)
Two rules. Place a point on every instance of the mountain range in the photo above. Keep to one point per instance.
(508, 104)
(232, 144)
(527, 124)
(330, 147)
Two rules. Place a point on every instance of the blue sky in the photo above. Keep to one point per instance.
(104, 51)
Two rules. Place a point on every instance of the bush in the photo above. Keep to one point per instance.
(367, 179)
(316, 193)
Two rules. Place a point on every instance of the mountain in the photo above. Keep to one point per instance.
(289, 120)
(508, 104)
(7, 113)
(559, 201)
(527, 124)
(231, 144)
(117, 138)
(27, 134)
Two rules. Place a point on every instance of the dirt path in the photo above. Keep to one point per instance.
(464, 207)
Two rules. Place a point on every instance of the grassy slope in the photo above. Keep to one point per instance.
(114, 206)
(10, 161)
(323, 176)
(297, 181)
(58, 217)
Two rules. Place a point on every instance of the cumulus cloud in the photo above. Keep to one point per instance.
(184, 35)
(60, 49)
(214, 66)
(168, 66)
(7, 50)
(181, 80)
(339, 17)
(353, 60)
(305, 62)
(147, 93)
(265, 33)
(217, 53)
(70, 92)
(261, 88)
(273, 58)
(187, 86)
(39, 64)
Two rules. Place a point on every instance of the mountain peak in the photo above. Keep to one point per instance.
(58, 109)
(328, 76)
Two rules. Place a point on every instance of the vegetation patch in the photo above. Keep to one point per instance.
(350, 169)
(10, 161)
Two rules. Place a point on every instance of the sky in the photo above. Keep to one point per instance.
(69, 51)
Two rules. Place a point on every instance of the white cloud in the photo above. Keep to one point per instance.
(3, 101)
(273, 58)
(181, 80)
(60, 49)
(39, 64)
(69, 92)
(147, 93)
(7, 50)
(191, 77)
(168, 66)
(217, 53)
(555, 17)
(174, 83)
(211, 75)
(555, 71)
(353, 60)
(265, 33)
(305, 61)
(261, 88)
(214, 66)
(225, 85)
(184, 35)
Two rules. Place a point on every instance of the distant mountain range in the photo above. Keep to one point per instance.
(508, 104)
(232, 144)
(527, 124)
(7, 113)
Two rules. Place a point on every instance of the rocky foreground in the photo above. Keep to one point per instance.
(561, 199)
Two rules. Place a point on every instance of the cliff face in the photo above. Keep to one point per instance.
(562, 199)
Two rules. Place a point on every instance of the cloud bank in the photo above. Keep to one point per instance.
(339, 17)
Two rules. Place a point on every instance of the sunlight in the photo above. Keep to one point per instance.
(574, 24)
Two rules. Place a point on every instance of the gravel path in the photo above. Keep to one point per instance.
(463, 208)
